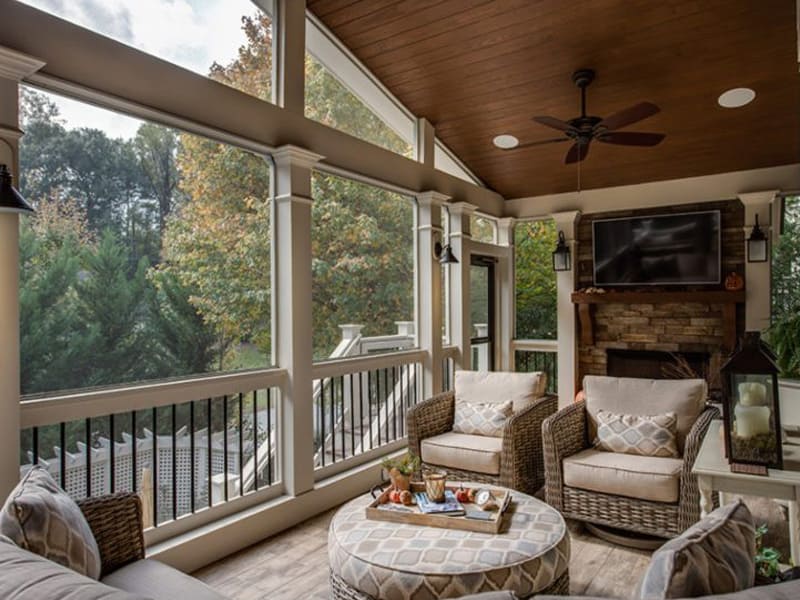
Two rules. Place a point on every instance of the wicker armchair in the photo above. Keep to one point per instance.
(521, 459)
(566, 433)
(116, 522)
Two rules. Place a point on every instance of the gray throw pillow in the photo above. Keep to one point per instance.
(714, 556)
(40, 517)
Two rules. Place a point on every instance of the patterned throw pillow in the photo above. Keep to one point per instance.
(714, 556)
(636, 434)
(482, 419)
(40, 517)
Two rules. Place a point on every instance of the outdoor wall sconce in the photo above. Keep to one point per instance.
(757, 244)
(10, 199)
(562, 258)
(444, 254)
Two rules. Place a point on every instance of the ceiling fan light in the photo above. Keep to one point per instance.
(505, 141)
(736, 97)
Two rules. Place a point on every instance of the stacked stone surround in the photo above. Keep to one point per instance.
(679, 327)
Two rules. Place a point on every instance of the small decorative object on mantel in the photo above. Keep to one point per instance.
(734, 282)
(751, 411)
(592, 290)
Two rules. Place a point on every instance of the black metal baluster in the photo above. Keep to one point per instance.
(369, 405)
(89, 457)
(341, 395)
(255, 439)
(333, 420)
(134, 451)
(241, 448)
(352, 418)
(225, 446)
(192, 465)
(112, 465)
(62, 459)
(208, 450)
(154, 414)
(269, 436)
(174, 426)
(416, 381)
(402, 402)
(322, 420)
(35, 442)
(361, 411)
(394, 404)
(385, 404)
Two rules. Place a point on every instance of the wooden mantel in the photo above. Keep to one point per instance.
(587, 301)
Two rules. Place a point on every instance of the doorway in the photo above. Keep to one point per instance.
(482, 312)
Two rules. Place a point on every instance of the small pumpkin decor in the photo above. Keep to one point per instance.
(400, 470)
(734, 282)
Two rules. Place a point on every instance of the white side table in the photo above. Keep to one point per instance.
(714, 474)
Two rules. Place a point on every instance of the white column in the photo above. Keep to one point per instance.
(429, 336)
(567, 335)
(13, 67)
(425, 142)
(288, 78)
(757, 275)
(506, 304)
(460, 242)
(292, 331)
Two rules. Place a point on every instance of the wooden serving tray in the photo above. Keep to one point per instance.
(413, 516)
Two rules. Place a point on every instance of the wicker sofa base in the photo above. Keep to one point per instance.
(652, 518)
(459, 475)
(340, 590)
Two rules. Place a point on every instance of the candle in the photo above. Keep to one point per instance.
(752, 393)
(751, 420)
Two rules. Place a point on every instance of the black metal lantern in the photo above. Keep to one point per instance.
(751, 409)
(757, 247)
(562, 260)
(10, 199)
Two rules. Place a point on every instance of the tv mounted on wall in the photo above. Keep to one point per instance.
(672, 249)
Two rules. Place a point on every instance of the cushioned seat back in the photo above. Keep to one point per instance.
(496, 387)
(648, 397)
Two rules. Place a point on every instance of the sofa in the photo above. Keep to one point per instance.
(115, 521)
(779, 591)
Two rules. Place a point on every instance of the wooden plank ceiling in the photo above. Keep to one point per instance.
(478, 68)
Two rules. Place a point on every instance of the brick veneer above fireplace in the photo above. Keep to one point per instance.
(681, 327)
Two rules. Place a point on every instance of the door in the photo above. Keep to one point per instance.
(482, 312)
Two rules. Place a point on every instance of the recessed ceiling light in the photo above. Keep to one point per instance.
(736, 97)
(506, 142)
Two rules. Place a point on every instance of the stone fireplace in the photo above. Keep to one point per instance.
(635, 333)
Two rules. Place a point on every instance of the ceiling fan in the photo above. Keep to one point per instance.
(584, 129)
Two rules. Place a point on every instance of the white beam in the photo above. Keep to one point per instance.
(757, 276)
(505, 278)
(459, 275)
(291, 328)
(567, 222)
(290, 55)
(425, 143)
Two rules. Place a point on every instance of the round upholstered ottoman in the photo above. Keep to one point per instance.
(372, 560)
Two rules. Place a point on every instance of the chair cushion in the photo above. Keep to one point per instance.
(39, 516)
(636, 434)
(631, 396)
(714, 556)
(159, 582)
(485, 387)
(481, 419)
(28, 576)
(641, 477)
(478, 453)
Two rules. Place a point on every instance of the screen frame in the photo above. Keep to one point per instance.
(665, 283)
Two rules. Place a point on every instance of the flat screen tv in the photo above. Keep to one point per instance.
(675, 249)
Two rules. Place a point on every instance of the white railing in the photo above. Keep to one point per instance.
(538, 355)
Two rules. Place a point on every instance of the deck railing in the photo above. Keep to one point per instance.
(184, 446)
(538, 355)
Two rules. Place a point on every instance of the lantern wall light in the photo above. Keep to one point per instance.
(757, 245)
(10, 199)
(443, 253)
(562, 258)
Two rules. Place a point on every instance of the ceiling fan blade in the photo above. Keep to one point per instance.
(631, 138)
(629, 116)
(576, 153)
(541, 143)
(553, 122)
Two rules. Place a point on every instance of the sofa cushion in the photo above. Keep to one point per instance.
(642, 477)
(39, 516)
(477, 453)
(630, 396)
(159, 582)
(637, 434)
(485, 387)
(481, 419)
(714, 556)
(28, 576)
